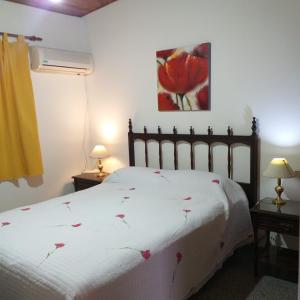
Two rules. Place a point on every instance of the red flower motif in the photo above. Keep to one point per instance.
(121, 216)
(25, 209)
(77, 225)
(216, 181)
(188, 198)
(183, 73)
(5, 224)
(124, 199)
(178, 260)
(67, 204)
(162, 176)
(186, 211)
(178, 257)
(202, 50)
(165, 102)
(146, 254)
(59, 245)
(202, 98)
(165, 53)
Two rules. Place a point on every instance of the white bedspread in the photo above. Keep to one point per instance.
(129, 238)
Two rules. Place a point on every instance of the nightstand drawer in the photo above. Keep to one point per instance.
(87, 180)
(80, 185)
(280, 225)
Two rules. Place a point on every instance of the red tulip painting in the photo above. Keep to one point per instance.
(184, 78)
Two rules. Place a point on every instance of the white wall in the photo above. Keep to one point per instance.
(255, 71)
(60, 104)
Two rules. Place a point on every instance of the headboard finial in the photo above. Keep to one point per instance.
(254, 127)
(159, 130)
(229, 131)
(145, 129)
(192, 130)
(209, 130)
(130, 126)
(174, 130)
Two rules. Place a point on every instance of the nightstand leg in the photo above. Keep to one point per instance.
(268, 239)
(255, 251)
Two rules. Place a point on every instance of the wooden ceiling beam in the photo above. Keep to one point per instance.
(78, 8)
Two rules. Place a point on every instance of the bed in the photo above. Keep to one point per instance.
(144, 233)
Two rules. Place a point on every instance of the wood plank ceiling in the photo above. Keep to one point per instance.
(77, 8)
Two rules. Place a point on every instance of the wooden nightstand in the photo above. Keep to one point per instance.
(87, 180)
(272, 260)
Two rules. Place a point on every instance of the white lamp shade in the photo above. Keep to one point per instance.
(99, 151)
(279, 168)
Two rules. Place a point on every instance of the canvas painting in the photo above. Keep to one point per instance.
(183, 78)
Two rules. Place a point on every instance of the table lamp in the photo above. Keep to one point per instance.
(279, 168)
(99, 152)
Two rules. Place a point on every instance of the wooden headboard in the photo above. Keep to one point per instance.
(251, 188)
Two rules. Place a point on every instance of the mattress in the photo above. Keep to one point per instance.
(142, 234)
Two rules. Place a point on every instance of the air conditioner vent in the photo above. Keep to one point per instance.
(60, 61)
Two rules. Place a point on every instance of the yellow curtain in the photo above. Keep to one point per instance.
(20, 154)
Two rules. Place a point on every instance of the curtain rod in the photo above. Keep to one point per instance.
(27, 37)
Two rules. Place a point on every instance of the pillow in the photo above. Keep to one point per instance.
(136, 175)
(141, 175)
(193, 180)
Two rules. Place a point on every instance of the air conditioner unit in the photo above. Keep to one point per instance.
(60, 61)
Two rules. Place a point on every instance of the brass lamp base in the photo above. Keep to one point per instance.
(100, 167)
(279, 190)
(278, 201)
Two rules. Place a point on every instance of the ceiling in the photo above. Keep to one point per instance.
(77, 8)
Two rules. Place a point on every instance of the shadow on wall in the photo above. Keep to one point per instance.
(292, 187)
(67, 189)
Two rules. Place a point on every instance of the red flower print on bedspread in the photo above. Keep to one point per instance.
(3, 224)
(124, 199)
(216, 181)
(67, 204)
(68, 225)
(179, 257)
(146, 254)
(57, 246)
(187, 198)
(25, 209)
(159, 173)
(186, 211)
(122, 218)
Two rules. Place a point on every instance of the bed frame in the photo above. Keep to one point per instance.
(251, 189)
